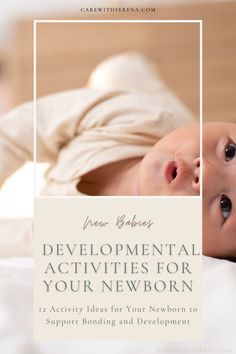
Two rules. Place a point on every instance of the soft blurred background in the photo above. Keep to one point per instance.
(68, 53)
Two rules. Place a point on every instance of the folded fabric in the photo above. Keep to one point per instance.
(80, 130)
(16, 238)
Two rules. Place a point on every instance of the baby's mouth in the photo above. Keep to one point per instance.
(171, 171)
(177, 172)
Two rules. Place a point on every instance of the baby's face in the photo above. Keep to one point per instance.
(172, 166)
(219, 189)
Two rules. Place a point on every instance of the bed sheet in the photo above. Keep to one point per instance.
(16, 320)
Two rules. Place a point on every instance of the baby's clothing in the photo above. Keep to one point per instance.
(80, 130)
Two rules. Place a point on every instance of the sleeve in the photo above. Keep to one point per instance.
(58, 121)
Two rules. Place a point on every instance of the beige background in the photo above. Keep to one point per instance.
(69, 60)
(176, 220)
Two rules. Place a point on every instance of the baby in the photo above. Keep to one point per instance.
(129, 141)
(172, 167)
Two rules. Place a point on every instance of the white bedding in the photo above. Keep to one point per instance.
(16, 320)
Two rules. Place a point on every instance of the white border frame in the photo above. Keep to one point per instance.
(200, 22)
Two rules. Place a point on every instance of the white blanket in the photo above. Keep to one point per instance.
(16, 319)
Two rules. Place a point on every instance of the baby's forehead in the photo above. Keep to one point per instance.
(219, 126)
(218, 129)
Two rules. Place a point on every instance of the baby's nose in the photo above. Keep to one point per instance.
(196, 175)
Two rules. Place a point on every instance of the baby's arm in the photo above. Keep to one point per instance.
(59, 118)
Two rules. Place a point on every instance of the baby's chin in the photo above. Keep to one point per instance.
(214, 246)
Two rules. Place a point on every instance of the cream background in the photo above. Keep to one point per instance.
(176, 220)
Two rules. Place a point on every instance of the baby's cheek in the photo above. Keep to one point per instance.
(213, 241)
(146, 183)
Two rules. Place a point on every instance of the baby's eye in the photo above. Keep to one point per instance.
(225, 206)
(230, 151)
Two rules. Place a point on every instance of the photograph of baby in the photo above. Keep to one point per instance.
(125, 130)
(130, 142)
